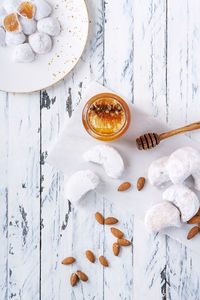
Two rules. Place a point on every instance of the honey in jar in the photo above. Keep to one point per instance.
(106, 116)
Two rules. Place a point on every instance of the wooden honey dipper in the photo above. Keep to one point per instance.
(151, 140)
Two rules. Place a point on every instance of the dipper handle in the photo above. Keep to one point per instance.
(151, 140)
(191, 127)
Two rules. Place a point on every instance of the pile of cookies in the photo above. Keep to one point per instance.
(28, 27)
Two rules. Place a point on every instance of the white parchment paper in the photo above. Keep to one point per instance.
(66, 156)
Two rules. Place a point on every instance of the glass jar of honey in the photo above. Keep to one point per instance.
(106, 116)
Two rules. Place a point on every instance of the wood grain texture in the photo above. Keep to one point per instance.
(183, 62)
(61, 234)
(142, 80)
(182, 272)
(23, 167)
(85, 234)
(118, 278)
(183, 108)
(150, 264)
(118, 47)
(150, 56)
(53, 208)
(150, 94)
(118, 76)
(4, 195)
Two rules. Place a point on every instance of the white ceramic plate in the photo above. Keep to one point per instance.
(50, 68)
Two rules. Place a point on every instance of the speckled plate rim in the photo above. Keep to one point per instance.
(44, 88)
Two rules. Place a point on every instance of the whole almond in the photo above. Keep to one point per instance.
(116, 232)
(90, 256)
(82, 276)
(123, 242)
(103, 261)
(73, 279)
(99, 218)
(193, 232)
(116, 249)
(140, 183)
(68, 260)
(124, 186)
(110, 221)
(194, 220)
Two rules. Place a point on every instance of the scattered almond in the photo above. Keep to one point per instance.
(68, 260)
(103, 261)
(140, 183)
(194, 220)
(124, 186)
(90, 256)
(110, 221)
(116, 249)
(99, 218)
(123, 242)
(193, 232)
(73, 279)
(116, 232)
(82, 276)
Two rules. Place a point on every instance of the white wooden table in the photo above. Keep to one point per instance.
(148, 51)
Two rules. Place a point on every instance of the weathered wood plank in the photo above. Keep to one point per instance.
(183, 62)
(150, 56)
(118, 278)
(150, 95)
(58, 232)
(118, 75)
(4, 195)
(58, 235)
(118, 49)
(23, 170)
(85, 234)
(183, 107)
(135, 67)
(53, 208)
(183, 275)
(149, 264)
(94, 53)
